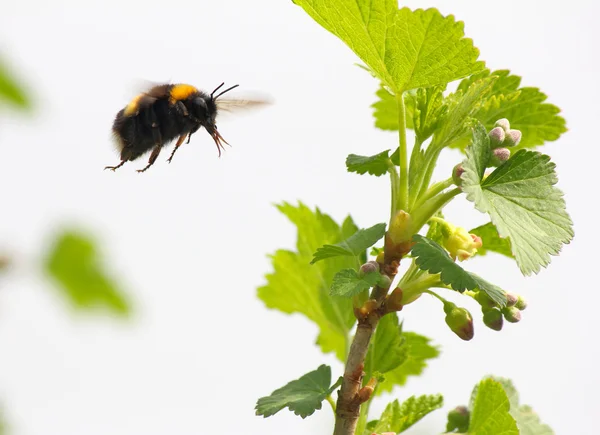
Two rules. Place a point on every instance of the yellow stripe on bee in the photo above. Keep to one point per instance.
(133, 106)
(181, 92)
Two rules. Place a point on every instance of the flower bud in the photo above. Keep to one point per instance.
(496, 135)
(394, 300)
(458, 419)
(511, 299)
(384, 281)
(511, 314)
(485, 301)
(459, 243)
(457, 172)
(401, 227)
(459, 320)
(493, 319)
(521, 303)
(368, 267)
(499, 156)
(503, 124)
(513, 137)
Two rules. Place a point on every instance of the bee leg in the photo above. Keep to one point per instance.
(180, 107)
(177, 145)
(114, 168)
(153, 157)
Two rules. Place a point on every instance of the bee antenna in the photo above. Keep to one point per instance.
(216, 89)
(226, 90)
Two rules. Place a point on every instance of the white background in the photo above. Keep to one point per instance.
(188, 241)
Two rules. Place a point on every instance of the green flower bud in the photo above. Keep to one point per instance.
(458, 420)
(401, 227)
(511, 314)
(513, 137)
(504, 124)
(511, 299)
(384, 281)
(459, 320)
(459, 243)
(496, 135)
(493, 319)
(457, 173)
(521, 303)
(368, 267)
(499, 156)
(485, 301)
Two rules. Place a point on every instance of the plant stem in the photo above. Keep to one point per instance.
(395, 182)
(431, 207)
(331, 402)
(348, 403)
(403, 154)
(433, 191)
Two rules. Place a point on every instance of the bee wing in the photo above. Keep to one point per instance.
(242, 104)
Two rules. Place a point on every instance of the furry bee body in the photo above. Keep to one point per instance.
(164, 113)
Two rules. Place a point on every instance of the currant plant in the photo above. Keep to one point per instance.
(340, 281)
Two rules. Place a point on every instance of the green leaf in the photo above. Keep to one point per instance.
(462, 105)
(302, 396)
(386, 109)
(418, 351)
(348, 283)
(429, 111)
(490, 411)
(75, 265)
(295, 286)
(10, 91)
(528, 421)
(434, 259)
(387, 349)
(525, 108)
(374, 165)
(398, 417)
(405, 49)
(353, 246)
(492, 240)
(521, 200)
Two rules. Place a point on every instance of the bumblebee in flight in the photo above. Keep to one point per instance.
(167, 112)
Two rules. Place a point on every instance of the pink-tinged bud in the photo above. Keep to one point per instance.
(368, 267)
(496, 135)
(458, 419)
(459, 320)
(511, 299)
(499, 156)
(521, 303)
(400, 229)
(513, 137)
(504, 124)
(493, 319)
(512, 314)
(459, 243)
(457, 172)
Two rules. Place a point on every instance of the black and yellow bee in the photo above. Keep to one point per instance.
(167, 112)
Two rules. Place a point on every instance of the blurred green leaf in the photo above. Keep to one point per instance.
(74, 263)
(386, 350)
(10, 91)
(296, 286)
(492, 240)
(398, 417)
(419, 350)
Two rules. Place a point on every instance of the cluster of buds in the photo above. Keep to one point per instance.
(459, 243)
(501, 139)
(494, 316)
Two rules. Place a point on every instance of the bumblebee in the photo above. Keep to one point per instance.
(167, 112)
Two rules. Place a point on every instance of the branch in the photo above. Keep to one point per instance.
(351, 395)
